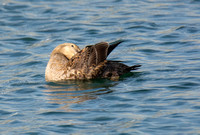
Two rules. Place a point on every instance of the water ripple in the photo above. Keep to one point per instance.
(162, 97)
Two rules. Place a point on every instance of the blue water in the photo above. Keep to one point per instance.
(162, 97)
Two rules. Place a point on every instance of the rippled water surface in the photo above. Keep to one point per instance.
(162, 97)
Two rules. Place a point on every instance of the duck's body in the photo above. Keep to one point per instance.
(88, 63)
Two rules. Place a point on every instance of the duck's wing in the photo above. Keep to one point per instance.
(90, 61)
(100, 51)
(91, 55)
(97, 53)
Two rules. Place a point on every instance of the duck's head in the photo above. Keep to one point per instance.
(67, 49)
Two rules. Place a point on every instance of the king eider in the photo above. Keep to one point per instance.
(67, 62)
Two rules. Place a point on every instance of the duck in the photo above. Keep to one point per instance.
(68, 62)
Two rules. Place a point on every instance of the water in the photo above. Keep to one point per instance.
(160, 98)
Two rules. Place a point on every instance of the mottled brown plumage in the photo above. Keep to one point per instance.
(89, 63)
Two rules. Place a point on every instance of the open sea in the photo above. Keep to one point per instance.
(161, 98)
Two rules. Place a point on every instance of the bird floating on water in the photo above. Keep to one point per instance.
(67, 62)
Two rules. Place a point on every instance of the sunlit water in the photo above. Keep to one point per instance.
(162, 97)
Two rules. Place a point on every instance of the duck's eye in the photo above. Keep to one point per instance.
(72, 45)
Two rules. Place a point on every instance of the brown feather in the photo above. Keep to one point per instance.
(88, 63)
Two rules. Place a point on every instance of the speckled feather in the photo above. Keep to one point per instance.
(89, 63)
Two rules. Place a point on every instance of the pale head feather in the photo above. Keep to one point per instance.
(67, 49)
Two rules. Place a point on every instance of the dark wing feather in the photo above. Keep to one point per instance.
(112, 46)
(101, 50)
(95, 54)
(92, 55)
(91, 60)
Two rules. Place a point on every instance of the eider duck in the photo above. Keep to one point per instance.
(67, 61)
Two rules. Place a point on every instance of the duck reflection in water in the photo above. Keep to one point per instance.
(76, 91)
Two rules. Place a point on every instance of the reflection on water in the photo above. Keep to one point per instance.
(76, 91)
